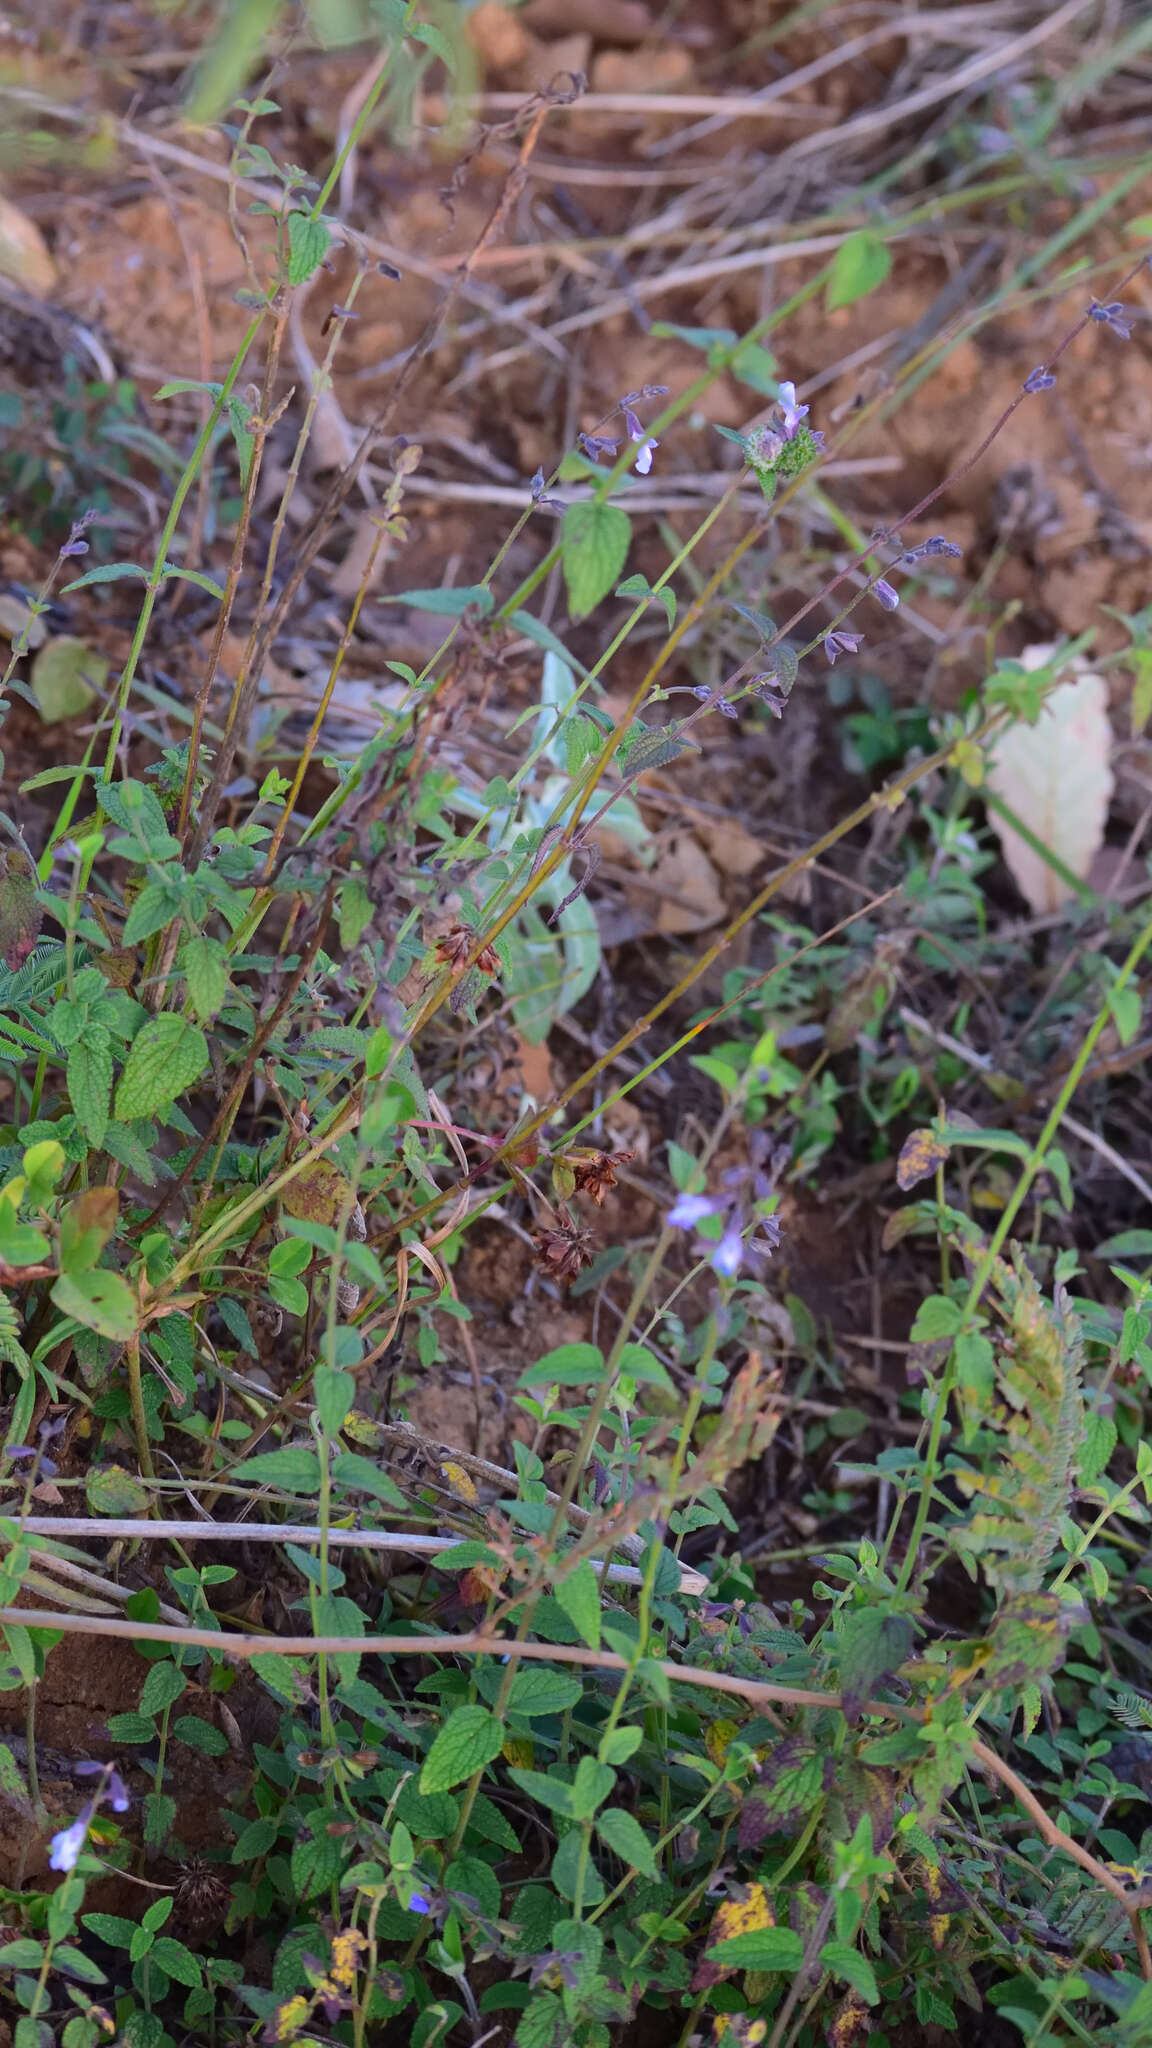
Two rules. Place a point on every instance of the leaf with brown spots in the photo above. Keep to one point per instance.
(921, 1153)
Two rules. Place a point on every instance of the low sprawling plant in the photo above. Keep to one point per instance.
(523, 1772)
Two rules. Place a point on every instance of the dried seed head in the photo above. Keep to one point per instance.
(562, 1251)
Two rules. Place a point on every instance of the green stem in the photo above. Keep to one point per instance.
(139, 1413)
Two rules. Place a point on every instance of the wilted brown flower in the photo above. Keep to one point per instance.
(456, 947)
(563, 1250)
(595, 1172)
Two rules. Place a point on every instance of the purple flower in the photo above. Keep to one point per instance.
(647, 445)
(65, 1847)
(936, 546)
(771, 692)
(840, 643)
(1115, 315)
(793, 413)
(1038, 380)
(888, 597)
(708, 695)
(113, 1788)
(419, 1904)
(540, 496)
(727, 1254)
(597, 445)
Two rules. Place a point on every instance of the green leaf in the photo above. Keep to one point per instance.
(230, 54)
(591, 1786)
(470, 1738)
(623, 1834)
(199, 1735)
(939, 1317)
(753, 365)
(23, 1954)
(536, 630)
(163, 1686)
(100, 1300)
(578, 1596)
(852, 1968)
(109, 572)
(308, 242)
(594, 546)
(90, 1087)
(451, 604)
(166, 1057)
(570, 1365)
(619, 1744)
(204, 964)
(763, 1948)
(195, 576)
(434, 39)
(296, 1468)
(66, 678)
(861, 263)
(159, 1818)
(110, 1927)
(871, 1643)
(534, 1691)
(335, 1392)
(352, 1469)
(570, 1870)
(178, 1961)
(131, 1727)
(1099, 1442)
(110, 1490)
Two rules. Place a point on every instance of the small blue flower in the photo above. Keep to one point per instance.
(419, 1904)
(690, 1209)
(888, 597)
(729, 1252)
(65, 1847)
(1038, 380)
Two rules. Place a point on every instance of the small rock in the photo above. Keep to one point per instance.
(607, 21)
(641, 70)
(498, 36)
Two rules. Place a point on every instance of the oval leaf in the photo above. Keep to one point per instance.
(594, 547)
(469, 1739)
(167, 1056)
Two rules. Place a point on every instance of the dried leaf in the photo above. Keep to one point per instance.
(1055, 776)
(24, 253)
(691, 898)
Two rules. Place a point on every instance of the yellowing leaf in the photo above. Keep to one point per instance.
(461, 1484)
(1054, 776)
(719, 1739)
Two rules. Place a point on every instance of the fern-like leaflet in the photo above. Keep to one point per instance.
(1039, 1411)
